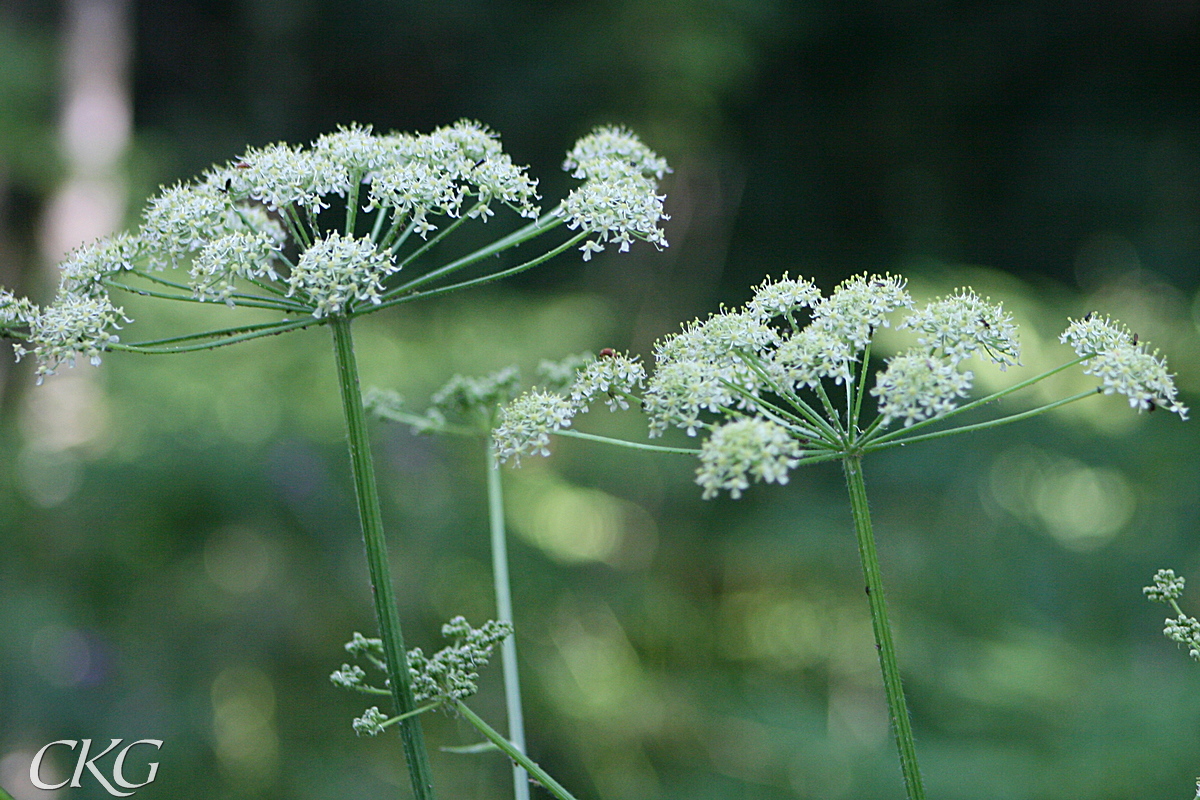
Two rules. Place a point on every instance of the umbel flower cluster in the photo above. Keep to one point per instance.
(321, 231)
(440, 680)
(781, 381)
(1182, 629)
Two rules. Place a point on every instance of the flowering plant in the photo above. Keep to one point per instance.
(761, 385)
(322, 235)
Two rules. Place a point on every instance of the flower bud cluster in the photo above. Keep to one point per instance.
(451, 673)
(1166, 587)
(370, 723)
(1182, 629)
(463, 396)
(1123, 365)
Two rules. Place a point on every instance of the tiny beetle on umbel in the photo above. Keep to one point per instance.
(608, 352)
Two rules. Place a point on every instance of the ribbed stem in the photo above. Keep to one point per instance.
(370, 516)
(897, 707)
(504, 613)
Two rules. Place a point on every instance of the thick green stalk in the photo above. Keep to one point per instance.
(370, 516)
(897, 708)
(504, 613)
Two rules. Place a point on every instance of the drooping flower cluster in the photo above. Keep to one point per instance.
(1123, 365)
(258, 230)
(449, 675)
(526, 423)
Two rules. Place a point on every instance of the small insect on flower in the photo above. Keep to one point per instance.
(608, 352)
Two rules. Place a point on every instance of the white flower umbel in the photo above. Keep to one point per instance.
(962, 324)
(614, 376)
(527, 422)
(916, 386)
(320, 235)
(746, 449)
(783, 382)
(337, 271)
(73, 325)
(619, 200)
(1123, 365)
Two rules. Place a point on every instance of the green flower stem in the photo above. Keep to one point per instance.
(852, 427)
(424, 248)
(371, 519)
(254, 301)
(276, 329)
(802, 425)
(495, 276)
(809, 413)
(504, 613)
(897, 708)
(687, 451)
(280, 296)
(264, 327)
(1016, 387)
(381, 214)
(830, 411)
(299, 232)
(389, 239)
(536, 228)
(352, 202)
(980, 426)
(554, 787)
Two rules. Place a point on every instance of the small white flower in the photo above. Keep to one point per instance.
(86, 267)
(283, 175)
(916, 387)
(235, 255)
(614, 376)
(1122, 365)
(527, 422)
(782, 298)
(810, 355)
(860, 305)
(15, 311)
(338, 271)
(746, 449)
(619, 209)
(71, 326)
(963, 323)
(609, 150)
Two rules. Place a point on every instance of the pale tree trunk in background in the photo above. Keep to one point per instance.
(94, 130)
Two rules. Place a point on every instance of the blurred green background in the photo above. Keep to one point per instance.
(179, 556)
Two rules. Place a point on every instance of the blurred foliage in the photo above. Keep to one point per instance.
(180, 555)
